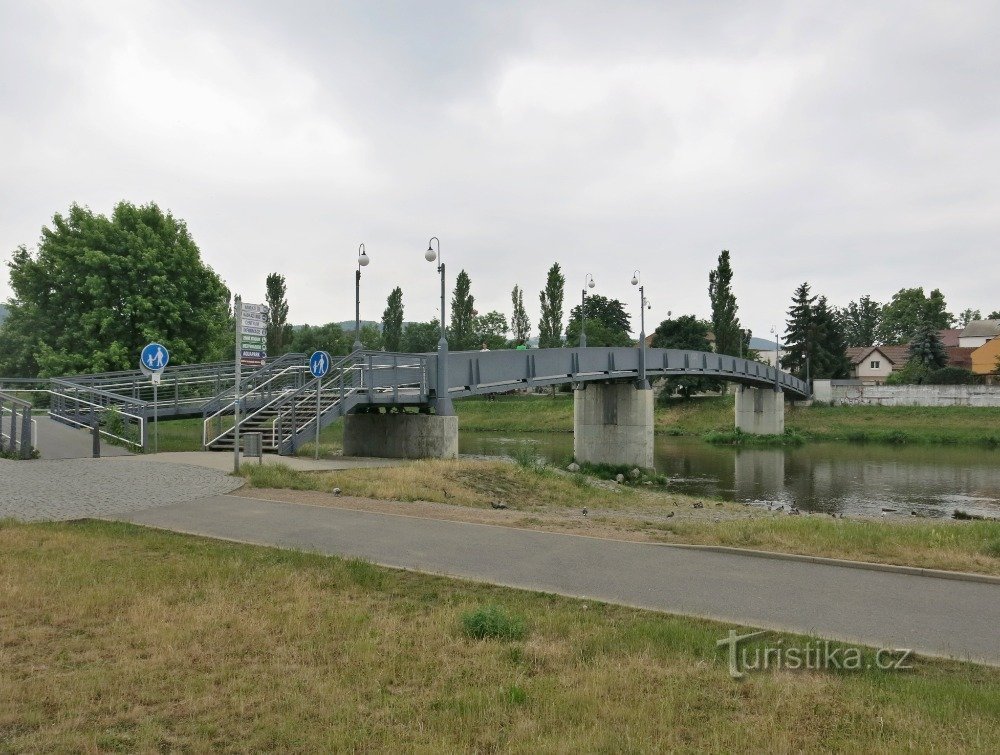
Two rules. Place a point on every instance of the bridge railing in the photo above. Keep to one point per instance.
(21, 435)
(118, 417)
(361, 377)
(251, 382)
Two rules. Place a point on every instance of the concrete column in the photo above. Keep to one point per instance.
(613, 424)
(760, 411)
(401, 436)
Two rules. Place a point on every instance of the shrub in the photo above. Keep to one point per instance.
(951, 376)
(493, 622)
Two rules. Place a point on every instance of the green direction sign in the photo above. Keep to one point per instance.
(253, 339)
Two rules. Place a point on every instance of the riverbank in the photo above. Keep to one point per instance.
(714, 414)
(545, 498)
(119, 638)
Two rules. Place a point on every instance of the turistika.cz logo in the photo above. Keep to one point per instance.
(820, 655)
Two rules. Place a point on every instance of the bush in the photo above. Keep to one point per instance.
(493, 622)
(951, 376)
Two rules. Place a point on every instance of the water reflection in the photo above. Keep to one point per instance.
(827, 477)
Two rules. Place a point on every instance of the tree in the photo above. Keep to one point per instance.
(729, 337)
(491, 330)
(607, 323)
(690, 333)
(994, 315)
(520, 325)
(799, 330)
(370, 337)
(392, 320)
(829, 351)
(462, 334)
(968, 316)
(100, 288)
(330, 338)
(908, 311)
(926, 349)
(551, 299)
(420, 337)
(860, 321)
(278, 331)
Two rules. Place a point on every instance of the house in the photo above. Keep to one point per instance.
(984, 359)
(979, 332)
(960, 356)
(873, 364)
(950, 337)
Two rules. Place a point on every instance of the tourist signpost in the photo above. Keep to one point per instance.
(251, 351)
(152, 362)
(319, 365)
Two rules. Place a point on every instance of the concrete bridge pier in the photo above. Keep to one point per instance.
(613, 424)
(760, 411)
(401, 435)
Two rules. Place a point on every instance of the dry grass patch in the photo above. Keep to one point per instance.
(118, 638)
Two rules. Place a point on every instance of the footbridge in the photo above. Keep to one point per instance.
(393, 406)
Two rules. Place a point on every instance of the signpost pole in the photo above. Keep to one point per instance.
(156, 417)
(236, 392)
(319, 383)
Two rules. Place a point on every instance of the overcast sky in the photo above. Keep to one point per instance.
(854, 145)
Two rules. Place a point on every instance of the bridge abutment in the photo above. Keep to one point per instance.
(401, 436)
(760, 411)
(613, 424)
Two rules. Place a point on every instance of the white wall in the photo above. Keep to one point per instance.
(909, 395)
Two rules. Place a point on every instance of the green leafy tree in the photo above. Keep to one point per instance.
(994, 315)
(926, 348)
(551, 299)
(909, 311)
(799, 331)
(491, 330)
(829, 350)
(729, 336)
(462, 334)
(689, 333)
(279, 332)
(392, 321)
(607, 323)
(370, 337)
(100, 288)
(968, 316)
(420, 337)
(860, 321)
(520, 325)
(330, 338)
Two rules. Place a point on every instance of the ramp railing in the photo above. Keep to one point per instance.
(20, 436)
(118, 417)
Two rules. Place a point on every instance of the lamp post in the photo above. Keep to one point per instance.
(588, 283)
(442, 402)
(777, 349)
(643, 383)
(362, 262)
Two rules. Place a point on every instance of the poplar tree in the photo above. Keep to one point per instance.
(551, 299)
(278, 330)
(520, 325)
(392, 320)
(462, 333)
(729, 336)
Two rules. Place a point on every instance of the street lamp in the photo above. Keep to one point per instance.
(588, 283)
(643, 303)
(362, 262)
(442, 403)
(777, 349)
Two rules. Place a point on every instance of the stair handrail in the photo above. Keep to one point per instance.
(243, 397)
(227, 394)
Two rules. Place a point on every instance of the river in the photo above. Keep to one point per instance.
(847, 478)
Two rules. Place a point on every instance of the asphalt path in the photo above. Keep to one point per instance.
(59, 441)
(931, 615)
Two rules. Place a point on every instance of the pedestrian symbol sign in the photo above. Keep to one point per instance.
(155, 357)
(319, 364)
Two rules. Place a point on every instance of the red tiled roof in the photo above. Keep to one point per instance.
(897, 355)
(961, 356)
(949, 337)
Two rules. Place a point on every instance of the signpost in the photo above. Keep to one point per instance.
(152, 361)
(319, 365)
(251, 351)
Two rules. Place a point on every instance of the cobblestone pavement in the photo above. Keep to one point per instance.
(77, 488)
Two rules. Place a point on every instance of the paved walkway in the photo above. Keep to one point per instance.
(59, 441)
(78, 488)
(223, 461)
(931, 615)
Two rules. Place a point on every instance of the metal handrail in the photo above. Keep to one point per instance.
(247, 380)
(232, 404)
(140, 420)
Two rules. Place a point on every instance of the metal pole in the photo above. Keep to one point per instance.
(357, 309)
(583, 320)
(643, 383)
(156, 420)
(319, 382)
(238, 307)
(442, 403)
(777, 350)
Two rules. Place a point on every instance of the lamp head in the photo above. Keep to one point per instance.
(363, 259)
(430, 255)
(635, 280)
(590, 283)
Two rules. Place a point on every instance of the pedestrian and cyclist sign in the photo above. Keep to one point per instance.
(319, 364)
(155, 357)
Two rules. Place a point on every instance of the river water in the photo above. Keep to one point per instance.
(853, 479)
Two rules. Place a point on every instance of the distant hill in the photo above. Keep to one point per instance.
(762, 344)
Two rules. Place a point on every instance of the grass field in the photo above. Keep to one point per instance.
(121, 639)
(651, 513)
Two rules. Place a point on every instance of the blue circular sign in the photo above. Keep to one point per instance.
(319, 364)
(155, 357)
